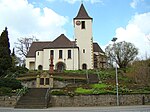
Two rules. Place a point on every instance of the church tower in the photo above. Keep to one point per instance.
(84, 38)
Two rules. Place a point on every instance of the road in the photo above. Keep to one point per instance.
(83, 109)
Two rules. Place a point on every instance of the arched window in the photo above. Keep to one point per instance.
(84, 66)
(40, 67)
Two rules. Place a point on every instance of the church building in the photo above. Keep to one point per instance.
(82, 53)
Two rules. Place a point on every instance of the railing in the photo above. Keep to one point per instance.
(47, 97)
(21, 92)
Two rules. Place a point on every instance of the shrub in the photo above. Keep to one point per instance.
(57, 92)
(5, 91)
(99, 86)
(10, 83)
(83, 91)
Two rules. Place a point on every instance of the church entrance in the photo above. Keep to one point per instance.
(84, 66)
(60, 66)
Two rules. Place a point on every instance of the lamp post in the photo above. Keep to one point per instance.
(114, 40)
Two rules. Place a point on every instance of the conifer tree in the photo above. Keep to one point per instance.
(5, 53)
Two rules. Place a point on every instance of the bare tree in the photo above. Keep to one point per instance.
(141, 72)
(122, 53)
(23, 45)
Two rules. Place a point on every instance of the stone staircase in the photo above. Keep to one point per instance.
(35, 98)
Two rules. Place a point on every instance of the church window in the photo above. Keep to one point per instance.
(83, 50)
(47, 81)
(52, 53)
(41, 81)
(69, 54)
(83, 25)
(38, 53)
(60, 54)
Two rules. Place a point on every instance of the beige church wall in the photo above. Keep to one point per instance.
(46, 59)
(85, 41)
(39, 59)
(70, 63)
(29, 63)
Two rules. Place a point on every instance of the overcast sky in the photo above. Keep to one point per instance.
(128, 20)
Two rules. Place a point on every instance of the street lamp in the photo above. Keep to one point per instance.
(114, 40)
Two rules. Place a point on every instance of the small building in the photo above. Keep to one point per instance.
(82, 53)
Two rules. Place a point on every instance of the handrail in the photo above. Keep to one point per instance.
(21, 92)
(47, 97)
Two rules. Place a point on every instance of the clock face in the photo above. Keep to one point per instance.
(78, 22)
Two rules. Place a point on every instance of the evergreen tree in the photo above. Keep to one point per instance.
(5, 57)
(14, 58)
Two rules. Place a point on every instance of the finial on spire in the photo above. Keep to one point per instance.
(81, 1)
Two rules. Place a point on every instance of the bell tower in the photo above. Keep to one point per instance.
(84, 38)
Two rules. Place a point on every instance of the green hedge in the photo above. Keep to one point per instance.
(10, 83)
(5, 91)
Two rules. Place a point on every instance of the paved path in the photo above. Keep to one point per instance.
(83, 109)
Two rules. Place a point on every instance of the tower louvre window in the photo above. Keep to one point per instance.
(83, 50)
(82, 24)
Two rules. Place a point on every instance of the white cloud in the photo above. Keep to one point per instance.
(134, 3)
(23, 20)
(137, 32)
(92, 1)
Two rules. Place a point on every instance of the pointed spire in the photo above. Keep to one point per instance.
(82, 14)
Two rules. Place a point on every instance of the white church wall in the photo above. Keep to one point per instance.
(85, 42)
(28, 63)
(39, 59)
(46, 57)
(71, 64)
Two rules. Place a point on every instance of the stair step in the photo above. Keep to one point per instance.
(34, 98)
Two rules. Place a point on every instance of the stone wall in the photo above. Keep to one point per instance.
(98, 100)
(85, 100)
(6, 101)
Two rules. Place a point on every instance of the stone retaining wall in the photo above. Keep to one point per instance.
(85, 100)
(99, 100)
(6, 101)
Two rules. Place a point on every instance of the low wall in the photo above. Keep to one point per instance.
(6, 101)
(85, 100)
(99, 100)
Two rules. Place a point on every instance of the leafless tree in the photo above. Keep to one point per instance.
(22, 47)
(122, 53)
(23, 44)
(141, 72)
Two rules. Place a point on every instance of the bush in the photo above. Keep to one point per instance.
(83, 91)
(99, 86)
(16, 71)
(57, 92)
(10, 83)
(5, 91)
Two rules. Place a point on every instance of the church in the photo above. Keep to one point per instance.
(82, 53)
